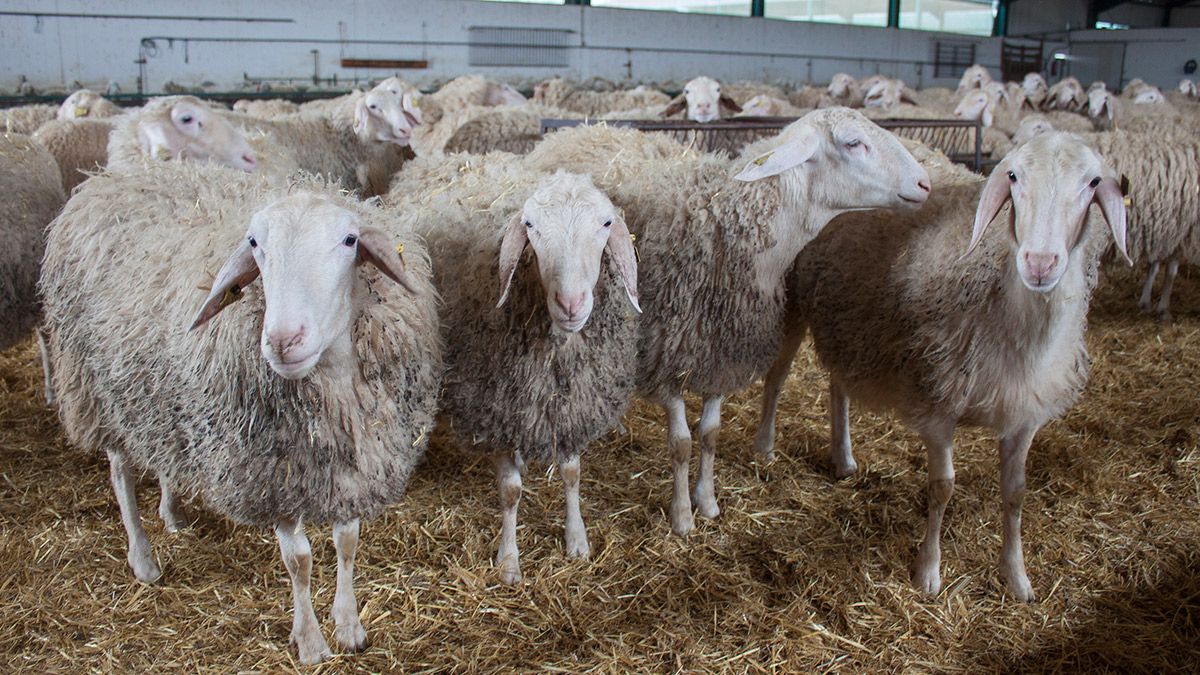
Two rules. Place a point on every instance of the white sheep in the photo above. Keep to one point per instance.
(702, 99)
(559, 93)
(763, 105)
(26, 119)
(1035, 88)
(80, 146)
(177, 128)
(904, 321)
(326, 424)
(559, 348)
(974, 77)
(1188, 88)
(87, 103)
(266, 108)
(716, 238)
(1067, 94)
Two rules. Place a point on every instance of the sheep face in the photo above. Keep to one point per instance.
(846, 161)
(190, 131)
(1149, 95)
(1034, 85)
(79, 104)
(703, 99)
(1052, 181)
(1067, 95)
(388, 113)
(840, 86)
(760, 106)
(305, 247)
(976, 105)
(503, 94)
(1034, 125)
(883, 94)
(568, 223)
(1188, 88)
(973, 77)
(1100, 104)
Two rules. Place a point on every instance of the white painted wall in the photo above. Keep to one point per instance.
(617, 44)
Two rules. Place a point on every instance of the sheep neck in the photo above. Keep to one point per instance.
(798, 220)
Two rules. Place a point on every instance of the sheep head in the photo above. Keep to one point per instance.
(388, 113)
(703, 99)
(185, 128)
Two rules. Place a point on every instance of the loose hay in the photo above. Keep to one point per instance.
(799, 573)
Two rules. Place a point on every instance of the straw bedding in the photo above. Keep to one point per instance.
(799, 573)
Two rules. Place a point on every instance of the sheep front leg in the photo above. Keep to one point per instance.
(680, 443)
(349, 632)
(839, 431)
(508, 484)
(1013, 451)
(705, 495)
(575, 532)
(939, 443)
(1148, 287)
(47, 380)
(764, 440)
(1164, 296)
(139, 555)
(297, 558)
(168, 507)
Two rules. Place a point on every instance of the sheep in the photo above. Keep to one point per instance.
(86, 103)
(744, 90)
(463, 92)
(974, 77)
(887, 93)
(326, 425)
(26, 119)
(715, 241)
(703, 100)
(559, 93)
(560, 346)
(1162, 169)
(33, 194)
(80, 146)
(904, 321)
(479, 130)
(807, 97)
(1035, 88)
(1188, 89)
(769, 106)
(176, 127)
(266, 109)
(1148, 112)
(1067, 94)
(843, 90)
(1030, 126)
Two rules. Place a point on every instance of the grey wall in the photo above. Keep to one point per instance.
(616, 44)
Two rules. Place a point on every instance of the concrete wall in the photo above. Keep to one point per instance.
(192, 43)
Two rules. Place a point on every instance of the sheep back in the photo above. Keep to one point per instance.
(80, 146)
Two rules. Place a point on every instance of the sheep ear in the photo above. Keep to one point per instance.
(791, 154)
(622, 256)
(729, 104)
(675, 107)
(360, 115)
(239, 271)
(376, 248)
(995, 193)
(908, 96)
(1111, 198)
(511, 248)
(987, 116)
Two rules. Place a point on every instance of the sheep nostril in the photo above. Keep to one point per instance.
(924, 185)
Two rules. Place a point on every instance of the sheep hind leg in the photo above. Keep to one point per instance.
(297, 558)
(168, 507)
(575, 531)
(47, 380)
(705, 493)
(764, 440)
(508, 485)
(939, 443)
(1164, 296)
(1013, 451)
(1147, 297)
(139, 555)
(349, 631)
(679, 440)
(841, 452)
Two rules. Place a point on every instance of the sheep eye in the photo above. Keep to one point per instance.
(1012, 177)
(608, 223)
(373, 107)
(853, 144)
(529, 224)
(1095, 182)
(186, 119)
(350, 240)
(253, 244)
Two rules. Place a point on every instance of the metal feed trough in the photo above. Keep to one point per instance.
(960, 140)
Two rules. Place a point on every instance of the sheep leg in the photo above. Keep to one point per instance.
(1164, 296)
(839, 434)
(124, 483)
(47, 382)
(168, 507)
(679, 440)
(508, 483)
(575, 533)
(297, 558)
(1014, 449)
(939, 443)
(349, 632)
(705, 494)
(1148, 287)
(764, 440)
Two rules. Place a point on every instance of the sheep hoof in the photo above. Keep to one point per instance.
(707, 507)
(927, 579)
(144, 568)
(351, 636)
(682, 522)
(1019, 586)
(1165, 317)
(510, 570)
(578, 547)
(764, 446)
(846, 471)
(173, 521)
(311, 646)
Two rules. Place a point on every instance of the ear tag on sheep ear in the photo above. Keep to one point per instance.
(400, 251)
(232, 295)
(80, 111)
(763, 160)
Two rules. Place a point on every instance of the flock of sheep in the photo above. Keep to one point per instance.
(525, 299)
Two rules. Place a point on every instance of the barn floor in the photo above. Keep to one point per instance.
(799, 572)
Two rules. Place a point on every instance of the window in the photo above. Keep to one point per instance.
(727, 7)
(856, 12)
(973, 17)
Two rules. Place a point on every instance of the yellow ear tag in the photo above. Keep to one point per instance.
(80, 111)
(763, 160)
(400, 251)
(1129, 201)
(232, 295)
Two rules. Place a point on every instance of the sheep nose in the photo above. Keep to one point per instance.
(284, 341)
(924, 185)
(1041, 264)
(570, 305)
(250, 160)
